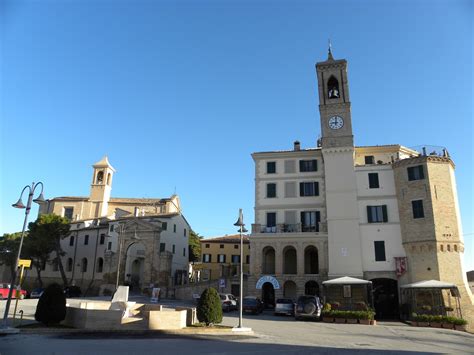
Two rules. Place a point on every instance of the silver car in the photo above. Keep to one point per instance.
(284, 306)
(308, 307)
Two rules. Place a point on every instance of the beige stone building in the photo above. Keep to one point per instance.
(387, 213)
(149, 236)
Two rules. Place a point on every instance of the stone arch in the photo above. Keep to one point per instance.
(100, 177)
(289, 289)
(135, 265)
(333, 88)
(84, 265)
(290, 260)
(100, 265)
(268, 260)
(311, 260)
(311, 288)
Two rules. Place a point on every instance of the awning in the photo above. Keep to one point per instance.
(346, 280)
(429, 284)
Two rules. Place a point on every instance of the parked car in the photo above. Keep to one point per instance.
(284, 306)
(252, 305)
(72, 291)
(229, 302)
(308, 307)
(37, 292)
(5, 289)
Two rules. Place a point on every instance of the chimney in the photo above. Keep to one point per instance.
(296, 145)
(424, 151)
(136, 213)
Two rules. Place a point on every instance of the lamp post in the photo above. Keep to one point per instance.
(240, 224)
(19, 204)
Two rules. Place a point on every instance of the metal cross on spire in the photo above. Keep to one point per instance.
(330, 57)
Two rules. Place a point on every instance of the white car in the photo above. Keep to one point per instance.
(229, 302)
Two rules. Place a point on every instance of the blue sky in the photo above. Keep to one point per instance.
(178, 94)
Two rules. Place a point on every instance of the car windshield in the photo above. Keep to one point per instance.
(284, 300)
(222, 297)
(250, 301)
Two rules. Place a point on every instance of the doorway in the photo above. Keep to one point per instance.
(385, 293)
(268, 295)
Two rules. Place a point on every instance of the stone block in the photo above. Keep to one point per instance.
(166, 320)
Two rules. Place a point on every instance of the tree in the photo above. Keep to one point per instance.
(209, 309)
(51, 308)
(9, 244)
(194, 246)
(48, 230)
(38, 249)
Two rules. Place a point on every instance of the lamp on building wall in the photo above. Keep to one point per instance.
(19, 204)
(240, 224)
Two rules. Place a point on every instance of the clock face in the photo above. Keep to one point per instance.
(336, 122)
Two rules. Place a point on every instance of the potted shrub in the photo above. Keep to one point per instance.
(365, 317)
(460, 324)
(352, 317)
(436, 321)
(422, 320)
(327, 314)
(339, 316)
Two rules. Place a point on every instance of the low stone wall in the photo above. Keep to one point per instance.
(167, 320)
(102, 319)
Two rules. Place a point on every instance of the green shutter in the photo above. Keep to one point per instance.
(316, 189)
(384, 213)
(369, 214)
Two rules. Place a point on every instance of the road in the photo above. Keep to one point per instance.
(273, 335)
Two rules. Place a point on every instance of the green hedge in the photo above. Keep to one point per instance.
(350, 314)
(438, 319)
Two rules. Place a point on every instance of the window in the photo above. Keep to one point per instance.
(333, 88)
(207, 245)
(290, 166)
(100, 177)
(69, 265)
(164, 225)
(102, 239)
(236, 246)
(162, 247)
(100, 265)
(184, 251)
(86, 239)
(71, 240)
(369, 159)
(174, 228)
(185, 231)
(374, 181)
(310, 221)
(235, 259)
(308, 165)
(271, 190)
(55, 264)
(111, 227)
(68, 212)
(84, 265)
(221, 246)
(377, 214)
(247, 259)
(109, 246)
(271, 219)
(416, 173)
(379, 247)
(418, 211)
(290, 189)
(221, 258)
(206, 258)
(174, 248)
(309, 189)
(271, 167)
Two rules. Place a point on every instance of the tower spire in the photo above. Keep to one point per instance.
(330, 57)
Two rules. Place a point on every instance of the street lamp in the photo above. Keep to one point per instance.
(19, 204)
(240, 224)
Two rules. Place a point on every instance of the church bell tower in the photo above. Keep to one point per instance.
(101, 187)
(337, 143)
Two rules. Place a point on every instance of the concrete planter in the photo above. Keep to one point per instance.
(340, 320)
(435, 325)
(364, 321)
(462, 328)
(328, 319)
(447, 325)
(423, 324)
(351, 321)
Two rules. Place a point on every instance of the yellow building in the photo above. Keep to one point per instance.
(220, 256)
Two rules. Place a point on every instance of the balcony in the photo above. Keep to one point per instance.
(321, 227)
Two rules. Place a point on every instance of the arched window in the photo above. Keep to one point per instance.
(289, 290)
(455, 248)
(100, 177)
(441, 247)
(55, 264)
(333, 88)
(268, 260)
(289, 260)
(311, 260)
(311, 288)
(69, 264)
(449, 247)
(84, 265)
(100, 264)
(108, 179)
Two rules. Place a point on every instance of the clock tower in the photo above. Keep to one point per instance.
(337, 143)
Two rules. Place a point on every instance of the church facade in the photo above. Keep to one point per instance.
(388, 213)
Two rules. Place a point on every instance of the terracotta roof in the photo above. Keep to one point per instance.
(235, 238)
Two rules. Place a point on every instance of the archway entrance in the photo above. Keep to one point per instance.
(311, 288)
(385, 298)
(268, 295)
(134, 266)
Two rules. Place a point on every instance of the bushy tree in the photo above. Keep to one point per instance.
(47, 231)
(51, 308)
(194, 246)
(209, 309)
(9, 244)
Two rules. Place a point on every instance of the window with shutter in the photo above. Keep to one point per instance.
(374, 180)
(379, 247)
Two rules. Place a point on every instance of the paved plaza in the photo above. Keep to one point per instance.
(281, 335)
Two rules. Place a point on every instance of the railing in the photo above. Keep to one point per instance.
(290, 228)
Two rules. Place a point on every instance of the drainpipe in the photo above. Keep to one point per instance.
(75, 252)
(95, 261)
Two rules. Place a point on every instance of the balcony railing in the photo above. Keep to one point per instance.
(290, 228)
